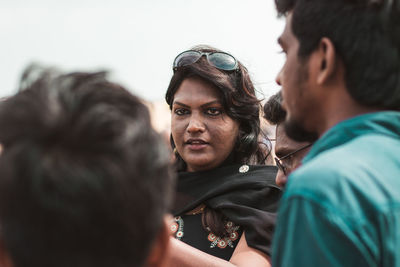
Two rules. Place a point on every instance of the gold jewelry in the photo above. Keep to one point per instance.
(175, 151)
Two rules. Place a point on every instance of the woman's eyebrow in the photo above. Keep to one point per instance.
(211, 103)
(203, 105)
(180, 104)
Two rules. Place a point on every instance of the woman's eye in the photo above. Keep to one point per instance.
(180, 111)
(213, 111)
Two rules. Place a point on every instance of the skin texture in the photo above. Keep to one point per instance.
(298, 99)
(192, 257)
(284, 146)
(198, 115)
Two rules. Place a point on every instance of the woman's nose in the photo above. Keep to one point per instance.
(195, 124)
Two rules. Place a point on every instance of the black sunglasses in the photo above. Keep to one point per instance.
(279, 161)
(220, 60)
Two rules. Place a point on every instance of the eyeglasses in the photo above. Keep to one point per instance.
(220, 60)
(279, 161)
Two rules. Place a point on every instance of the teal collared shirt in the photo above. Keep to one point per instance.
(342, 207)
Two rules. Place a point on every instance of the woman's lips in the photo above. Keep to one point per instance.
(196, 144)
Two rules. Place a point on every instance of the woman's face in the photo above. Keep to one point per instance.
(204, 134)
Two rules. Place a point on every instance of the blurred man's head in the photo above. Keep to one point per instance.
(84, 179)
(288, 152)
(343, 59)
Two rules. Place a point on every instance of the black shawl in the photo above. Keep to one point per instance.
(248, 197)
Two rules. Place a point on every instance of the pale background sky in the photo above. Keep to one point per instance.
(136, 40)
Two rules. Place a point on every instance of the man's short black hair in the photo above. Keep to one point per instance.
(273, 111)
(84, 179)
(366, 36)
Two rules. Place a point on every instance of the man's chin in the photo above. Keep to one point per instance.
(297, 132)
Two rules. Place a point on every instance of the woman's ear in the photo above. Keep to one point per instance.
(159, 253)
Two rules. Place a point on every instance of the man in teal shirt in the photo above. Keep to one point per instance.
(341, 85)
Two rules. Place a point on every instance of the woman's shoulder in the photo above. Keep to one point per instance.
(235, 173)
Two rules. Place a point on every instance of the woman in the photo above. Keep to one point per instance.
(225, 208)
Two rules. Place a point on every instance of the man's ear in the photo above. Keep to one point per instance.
(159, 253)
(5, 260)
(327, 60)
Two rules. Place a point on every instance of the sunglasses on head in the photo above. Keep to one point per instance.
(220, 60)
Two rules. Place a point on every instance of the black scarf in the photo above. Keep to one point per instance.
(249, 198)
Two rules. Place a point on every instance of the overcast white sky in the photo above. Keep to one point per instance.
(136, 39)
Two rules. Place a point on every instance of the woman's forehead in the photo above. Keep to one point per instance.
(194, 89)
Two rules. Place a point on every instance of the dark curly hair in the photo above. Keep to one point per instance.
(239, 100)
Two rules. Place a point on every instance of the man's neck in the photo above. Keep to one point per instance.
(341, 108)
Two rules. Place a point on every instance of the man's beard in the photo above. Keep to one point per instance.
(297, 132)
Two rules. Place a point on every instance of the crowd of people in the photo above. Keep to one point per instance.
(85, 180)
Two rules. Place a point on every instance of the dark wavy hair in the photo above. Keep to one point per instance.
(238, 97)
(366, 36)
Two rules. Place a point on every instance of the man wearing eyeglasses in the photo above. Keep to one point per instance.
(341, 84)
(288, 152)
